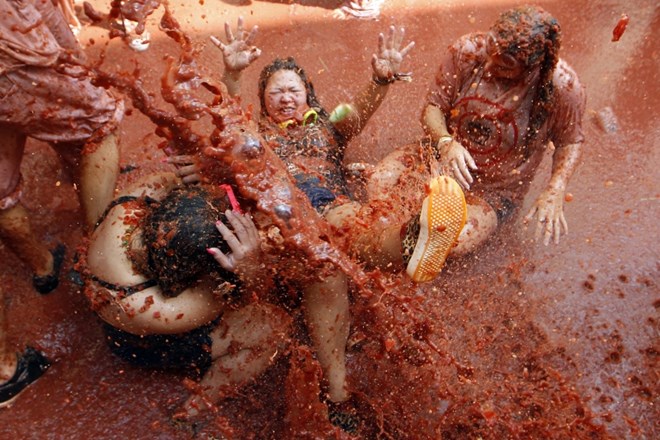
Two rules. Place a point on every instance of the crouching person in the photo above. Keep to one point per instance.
(175, 275)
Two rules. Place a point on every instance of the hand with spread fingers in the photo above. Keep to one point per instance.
(245, 244)
(549, 208)
(387, 61)
(239, 52)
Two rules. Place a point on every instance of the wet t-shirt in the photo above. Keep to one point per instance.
(313, 153)
(33, 33)
(490, 117)
(43, 94)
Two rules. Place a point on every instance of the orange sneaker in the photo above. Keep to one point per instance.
(433, 234)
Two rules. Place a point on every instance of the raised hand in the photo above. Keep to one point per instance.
(387, 61)
(239, 52)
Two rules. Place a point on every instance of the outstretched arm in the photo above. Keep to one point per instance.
(549, 206)
(237, 54)
(351, 118)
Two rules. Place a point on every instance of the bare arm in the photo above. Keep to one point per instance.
(434, 123)
(351, 118)
(549, 206)
(237, 54)
(453, 157)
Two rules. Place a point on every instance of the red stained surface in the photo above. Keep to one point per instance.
(516, 341)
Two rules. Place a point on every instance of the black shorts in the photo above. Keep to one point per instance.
(191, 350)
(319, 194)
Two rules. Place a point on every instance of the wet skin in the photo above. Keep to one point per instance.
(285, 96)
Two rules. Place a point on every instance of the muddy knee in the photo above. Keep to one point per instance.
(481, 224)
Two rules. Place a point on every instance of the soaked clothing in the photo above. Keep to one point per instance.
(191, 350)
(41, 95)
(313, 153)
(490, 117)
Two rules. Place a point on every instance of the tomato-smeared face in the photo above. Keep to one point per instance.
(501, 64)
(285, 96)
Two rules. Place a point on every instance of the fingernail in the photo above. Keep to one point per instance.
(164, 160)
(210, 251)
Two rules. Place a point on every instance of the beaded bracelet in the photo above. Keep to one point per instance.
(383, 81)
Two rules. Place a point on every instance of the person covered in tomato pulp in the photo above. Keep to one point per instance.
(500, 100)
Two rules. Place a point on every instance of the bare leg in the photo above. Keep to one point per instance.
(481, 224)
(395, 191)
(373, 231)
(99, 168)
(326, 308)
(400, 177)
(15, 230)
(16, 233)
(381, 244)
(244, 345)
(7, 356)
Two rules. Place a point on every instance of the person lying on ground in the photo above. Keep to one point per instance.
(172, 270)
(312, 142)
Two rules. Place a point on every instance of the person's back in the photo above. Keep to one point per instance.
(159, 272)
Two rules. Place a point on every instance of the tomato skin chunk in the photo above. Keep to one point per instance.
(620, 27)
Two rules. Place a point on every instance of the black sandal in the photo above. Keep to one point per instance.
(344, 416)
(32, 364)
(47, 283)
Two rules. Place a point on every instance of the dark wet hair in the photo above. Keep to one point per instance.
(177, 232)
(530, 34)
(533, 36)
(288, 64)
